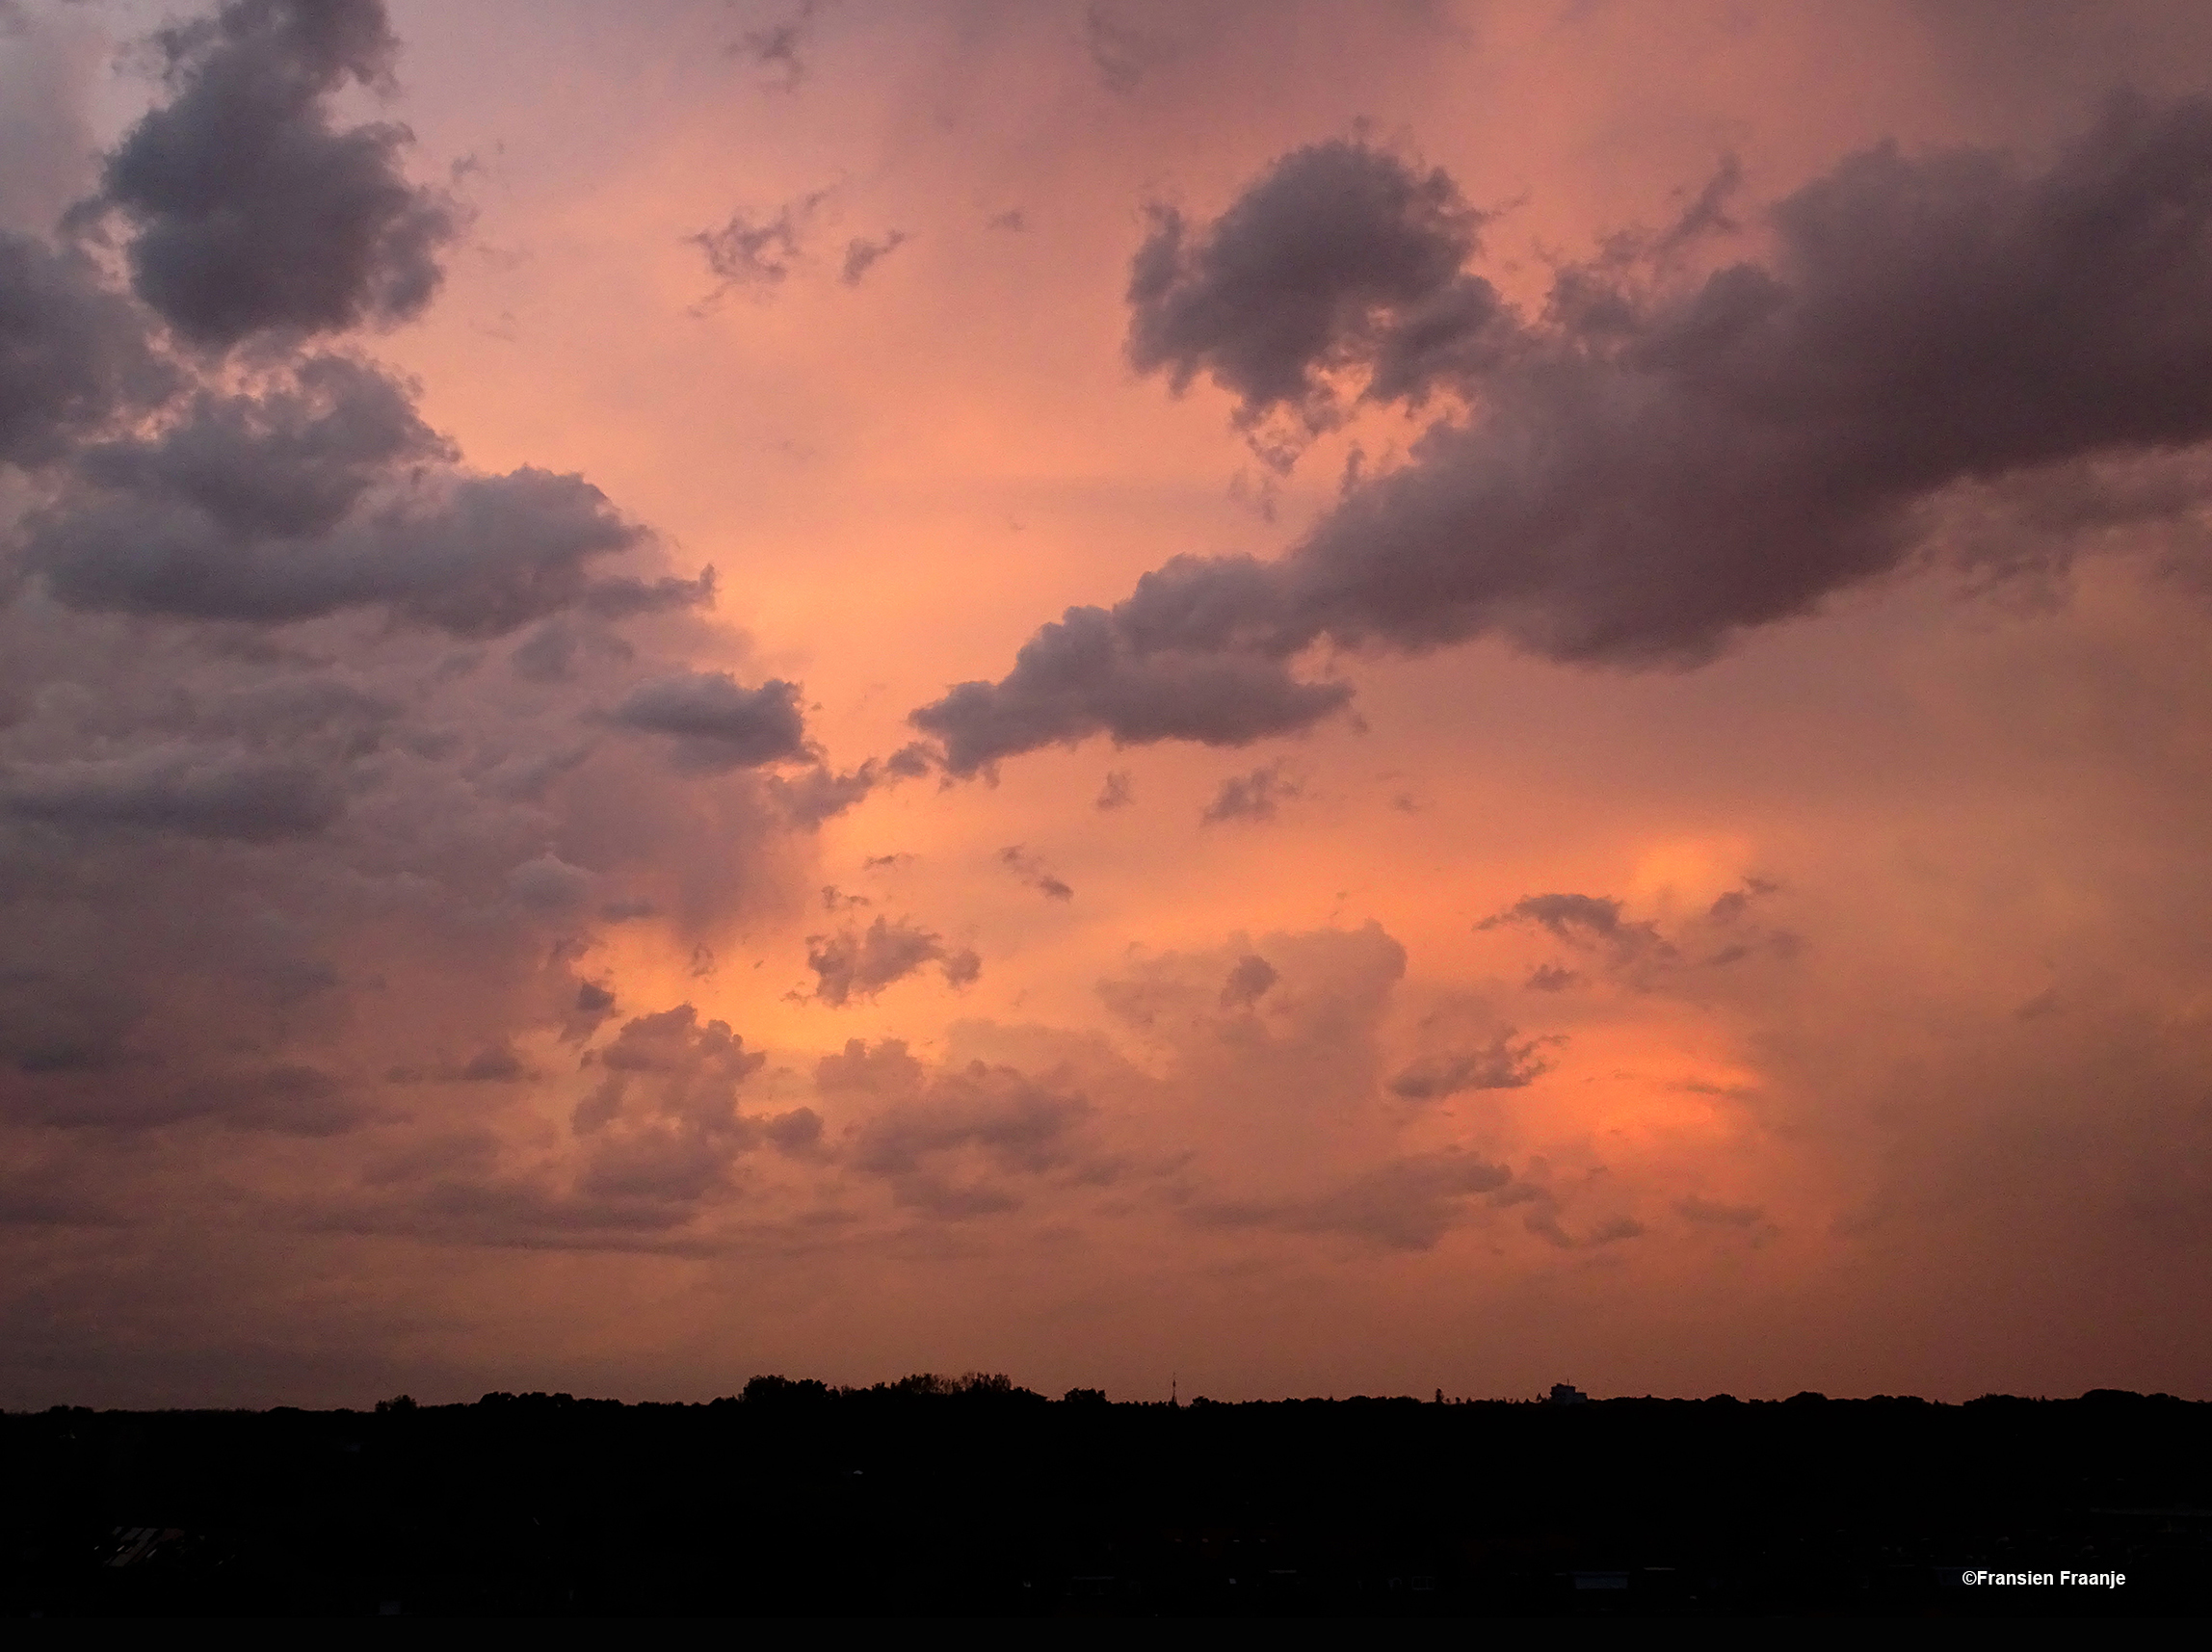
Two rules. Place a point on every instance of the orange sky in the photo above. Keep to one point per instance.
(1936, 1122)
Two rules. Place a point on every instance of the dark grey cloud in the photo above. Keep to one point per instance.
(1626, 950)
(662, 1130)
(780, 49)
(1406, 1205)
(884, 1070)
(1032, 871)
(855, 964)
(497, 1064)
(57, 1190)
(1339, 255)
(478, 556)
(862, 255)
(287, 463)
(911, 761)
(1732, 903)
(1751, 1221)
(548, 884)
(1253, 797)
(1564, 915)
(320, 885)
(1656, 462)
(1018, 1121)
(316, 711)
(1582, 920)
(821, 792)
(1322, 1032)
(673, 1042)
(250, 210)
(323, 490)
(1093, 672)
(72, 354)
(715, 723)
(193, 792)
(1500, 1064)
(1706, 212)
(950, 1144)
(1634, 952)
(1248, 982)
(561, 650)
(122, 1090)
(796, 1133)
(286, 849)
(594, 1002)
(1117, 791)
(624, 596)
(264, 852)
(664, 1120)
(60, 1019)
(752, 250)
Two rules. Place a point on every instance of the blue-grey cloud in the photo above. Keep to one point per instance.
(857, 964)
(1650, 467)
(248, 209)
(715, 723)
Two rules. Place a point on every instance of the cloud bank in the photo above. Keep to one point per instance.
(322, 755)
(1654, 464)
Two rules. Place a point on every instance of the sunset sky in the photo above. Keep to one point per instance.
(1312, 698)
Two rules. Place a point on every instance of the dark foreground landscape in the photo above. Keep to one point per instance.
(974, 1496)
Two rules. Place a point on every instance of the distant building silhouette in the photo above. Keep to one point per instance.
(1567, 1394)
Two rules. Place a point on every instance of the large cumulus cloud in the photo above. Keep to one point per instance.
(248, 209)
(320, 491)
(292, 838)
(1340, 254)
(1262, 1112)
(715, 722)
(199, 791)
(957, 1142)
(1652, 465)
(72, 354)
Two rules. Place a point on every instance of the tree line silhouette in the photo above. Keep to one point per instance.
(972, 1494)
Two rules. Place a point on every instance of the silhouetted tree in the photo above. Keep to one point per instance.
(783, 1390)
